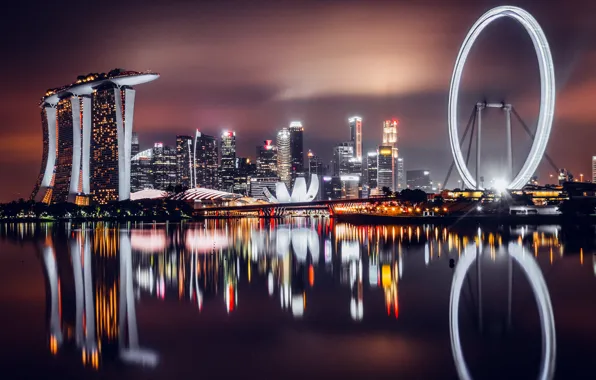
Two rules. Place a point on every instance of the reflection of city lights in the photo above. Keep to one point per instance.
(149, 241)
(270, 283)
(356, 309)
(206, 241)
(298, 305)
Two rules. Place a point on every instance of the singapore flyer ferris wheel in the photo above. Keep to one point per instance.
(547, 98)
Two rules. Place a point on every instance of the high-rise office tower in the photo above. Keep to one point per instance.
(315, 166)
(342, 154)
(356, 135)
(164, 166)
(135, 148)
(297, 149)
(284, 157)
(401, 174)
(141, 176)
(90, 121)
(228, 160)
(593, 169)
(205, 161)
(385, 167)
(267, 160)
(242, 175)
(390, 139)
(419, 179)
(371, 170)
(184, 151)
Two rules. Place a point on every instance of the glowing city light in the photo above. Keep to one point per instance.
(547, 93)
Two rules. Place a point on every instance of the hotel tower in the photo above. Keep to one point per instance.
(87, 138)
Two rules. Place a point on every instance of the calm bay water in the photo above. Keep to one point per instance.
(301, 298)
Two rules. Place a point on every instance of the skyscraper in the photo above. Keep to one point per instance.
(315, 166)
(356, 135)
(593, 169)
(205, 158)
(141, 176)
(297, 148)
(419, 179)
(284, 157)
(242, 175)
(164, 166)
(90, 121)
(184, 152)
(371, 170)
(267, 160)
(342, 154)
(401, 175)
(135, 148)
(228, 160)
(385, 167)
(390, 139)
(105, 179)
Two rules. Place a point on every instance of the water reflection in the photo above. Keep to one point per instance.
(97, 274)
(516, 251)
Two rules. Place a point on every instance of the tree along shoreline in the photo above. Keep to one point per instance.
(22, 211)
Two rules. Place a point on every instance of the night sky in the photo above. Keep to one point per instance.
(254, 66)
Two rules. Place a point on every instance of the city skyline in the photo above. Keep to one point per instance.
(382, 81)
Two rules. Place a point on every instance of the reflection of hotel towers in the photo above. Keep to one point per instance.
(390, 139)
(104, 301)
(87, 137)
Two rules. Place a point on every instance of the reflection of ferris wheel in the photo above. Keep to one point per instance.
(534, 274)
(547, 101)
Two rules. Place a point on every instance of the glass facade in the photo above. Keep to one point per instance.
(296, 149)
(385, 167)
(228, 160)
(371, 170)
(206, 168)
(267, 160)
(284, 157)
(184, 151)
(164, 167)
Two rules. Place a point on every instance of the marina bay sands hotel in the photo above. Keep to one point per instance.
(87, 137)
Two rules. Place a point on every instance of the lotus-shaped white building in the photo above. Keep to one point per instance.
(299, 192)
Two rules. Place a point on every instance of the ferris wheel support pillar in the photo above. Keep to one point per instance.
(479, 108)
(507, 109)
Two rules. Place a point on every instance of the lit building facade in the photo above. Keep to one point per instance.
(242, 175)
(315, 166)
(390, 139)
(164, 166)
(141, 176)
(385, 164)
(331, 188)
(284, 157)
(228, 160)
(205, 158)
(593, 169)
(184, 162)
(371, 170)
(87, 137)
(419, 179)
(258, 185)
(401, 174)
(296, 149)
(356, 135)
(342, 154)
(267, 160)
